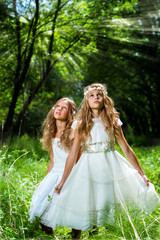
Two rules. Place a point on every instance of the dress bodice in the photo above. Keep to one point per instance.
(59, 154)
(100, 140)
(98, 133)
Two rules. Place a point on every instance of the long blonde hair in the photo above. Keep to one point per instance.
(109, 115)
(50, 128)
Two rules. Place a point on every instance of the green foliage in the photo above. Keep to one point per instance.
(24, 165)
(113, 42)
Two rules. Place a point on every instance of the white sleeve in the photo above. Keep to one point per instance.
(73, 128)
(74, 125)
(120, 123)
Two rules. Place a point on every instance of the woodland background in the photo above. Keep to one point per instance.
(53, 48)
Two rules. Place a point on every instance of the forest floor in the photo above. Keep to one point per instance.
(24, 165)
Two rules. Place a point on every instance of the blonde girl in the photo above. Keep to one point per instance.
(57, 139)
(102, 179)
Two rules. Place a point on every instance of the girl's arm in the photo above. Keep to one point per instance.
(51, 163)
(71, 160)
(79, 155)
(130, 155)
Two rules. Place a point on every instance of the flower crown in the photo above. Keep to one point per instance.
(95, 88)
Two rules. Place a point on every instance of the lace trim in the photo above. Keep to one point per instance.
(97, 147)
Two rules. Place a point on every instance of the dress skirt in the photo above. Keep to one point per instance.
(98, 184)
(44, 193)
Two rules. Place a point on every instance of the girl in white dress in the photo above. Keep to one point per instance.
(102, 180)
(57, 138)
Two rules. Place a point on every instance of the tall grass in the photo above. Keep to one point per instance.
(24, 165)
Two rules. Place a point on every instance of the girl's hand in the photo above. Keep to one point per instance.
(58, 188)
(146, 179)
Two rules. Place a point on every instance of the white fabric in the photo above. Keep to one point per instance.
(45, 191)
(75, 125)
(119, 122)
(99, 182)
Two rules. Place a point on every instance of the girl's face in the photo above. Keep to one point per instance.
(95, 99)
(61, 110)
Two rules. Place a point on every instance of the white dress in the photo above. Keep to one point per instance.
(101, 180)
(45, 191)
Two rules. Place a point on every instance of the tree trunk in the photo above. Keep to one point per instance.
(8, 125)
(43, 79)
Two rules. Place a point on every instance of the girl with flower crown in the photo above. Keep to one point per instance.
(102, 180)
(57, 139)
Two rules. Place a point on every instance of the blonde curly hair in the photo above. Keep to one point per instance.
(50, 128)
(108, 114)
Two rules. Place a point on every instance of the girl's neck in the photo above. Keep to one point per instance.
(96, 113)
(60, 128)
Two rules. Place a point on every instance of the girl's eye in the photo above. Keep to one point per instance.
(64, 108)
(99, 94)
(91, 95)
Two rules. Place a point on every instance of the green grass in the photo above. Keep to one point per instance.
(24, 165)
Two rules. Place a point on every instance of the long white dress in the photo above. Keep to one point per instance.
(45, 191)
(100, 181)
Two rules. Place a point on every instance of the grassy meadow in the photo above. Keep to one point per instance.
(24, 165)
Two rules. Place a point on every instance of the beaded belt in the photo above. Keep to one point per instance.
(97, 147)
